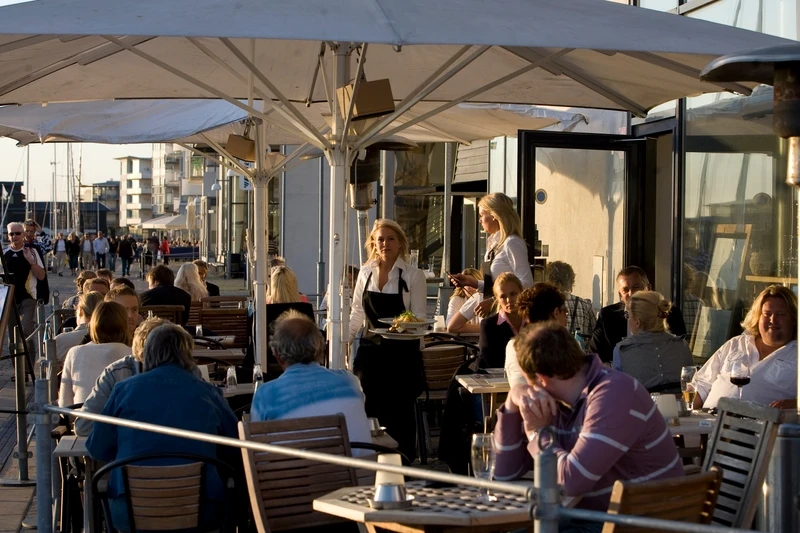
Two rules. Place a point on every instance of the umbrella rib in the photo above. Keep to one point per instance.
(190, 79)
(288, 109)
(284, 165)
(102, 54)
(362, 58)
(433, 82)
(222, 151)
(25, 42)
(321, 65)
(219, 161)
(471, 94)
(686, 70)
(310, 97)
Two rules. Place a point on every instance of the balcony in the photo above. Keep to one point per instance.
(139, 190)
(173, 158)
(139, 205)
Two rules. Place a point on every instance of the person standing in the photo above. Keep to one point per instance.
(42, 247)
(87, 252)
(390, 370)
(126, 252)
(100, 249)
(164, 249)
(24, 265)
(74, 252)
(113, 244)
(61, 253)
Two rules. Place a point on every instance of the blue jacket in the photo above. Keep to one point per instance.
(169, 396)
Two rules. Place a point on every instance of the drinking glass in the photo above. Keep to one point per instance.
(230, 379)
(687, 389)
(740, 374)
(483, 461)
(258, 378)
(689, 393)
(198, 330)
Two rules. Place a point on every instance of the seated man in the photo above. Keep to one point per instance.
(607, 427)
(612, 326)
(163, 291)
(306, 388)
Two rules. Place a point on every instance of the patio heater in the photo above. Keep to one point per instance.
(778, 66)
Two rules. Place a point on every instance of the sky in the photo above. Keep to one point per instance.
(95, 161)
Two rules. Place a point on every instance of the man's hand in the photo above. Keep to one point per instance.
(462, 280)
(789, 403)
(535, 405)
(483, 309)
(29, 254)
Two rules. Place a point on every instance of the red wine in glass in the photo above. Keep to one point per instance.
(740, 375)
(740, 382)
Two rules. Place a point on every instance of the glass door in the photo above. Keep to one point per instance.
(588, 200)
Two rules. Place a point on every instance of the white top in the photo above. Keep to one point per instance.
(513, 371)
(100, 245)
(465, 306)
(61, 245)
(83, 365)
(773, 378)
(69, 339)
(415, 299)
(511, 256)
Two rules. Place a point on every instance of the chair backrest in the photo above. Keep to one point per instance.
(741, 446)
(173, 313)
(60, 315)
(224, 302)
(440, 364)
(227, 322)
(194, 314)
(684, 499)
(282, 489)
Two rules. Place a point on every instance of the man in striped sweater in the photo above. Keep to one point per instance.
(606, 426)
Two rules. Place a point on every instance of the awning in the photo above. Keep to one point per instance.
(166, 222)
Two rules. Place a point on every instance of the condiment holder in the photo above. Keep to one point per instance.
(375, 428)
(390, 488)
(668, 407)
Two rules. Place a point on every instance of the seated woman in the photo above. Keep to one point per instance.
(461, 308)
(283, 287)
(111, 341)
(541, 303)
(70, 303)
(498, 329)
(166, 393)
(768, 346)
(650, 354)
(188, 279)
(83, 314)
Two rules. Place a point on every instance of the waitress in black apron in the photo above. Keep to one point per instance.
(390, 370)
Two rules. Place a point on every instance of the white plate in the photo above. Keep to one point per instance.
(408, 325)
(409, 335)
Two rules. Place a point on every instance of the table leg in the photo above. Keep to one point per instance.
(486, 406)
(88, 502)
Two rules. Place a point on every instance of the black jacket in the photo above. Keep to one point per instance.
(612, 327)
(213, 290)
(492, 342)
(168, 295)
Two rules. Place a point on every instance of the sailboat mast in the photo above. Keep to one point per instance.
(53, 218)
(27, 180)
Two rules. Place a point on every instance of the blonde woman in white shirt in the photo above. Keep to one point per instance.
(461, 308)
(111, 341)
(188, 279)
(506, 251)
(390, 370)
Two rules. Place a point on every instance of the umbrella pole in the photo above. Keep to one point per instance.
(261, 245)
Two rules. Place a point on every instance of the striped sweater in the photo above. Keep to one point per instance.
(614, 432)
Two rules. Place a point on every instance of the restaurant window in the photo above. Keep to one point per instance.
(739, 224)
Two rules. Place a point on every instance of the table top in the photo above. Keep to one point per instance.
(491, 383)
(232, 355)
(698, 423)
(448, 506)
(71, 446)
(242, 389)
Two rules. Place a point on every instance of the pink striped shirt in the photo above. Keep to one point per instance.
(614, 432)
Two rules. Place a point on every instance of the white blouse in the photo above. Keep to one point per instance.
(772, 378)
(414, 300)
(511, 256)
(83, 365)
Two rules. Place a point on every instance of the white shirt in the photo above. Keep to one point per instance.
(467, 310)
(70, 339)
(514, 373)
(511, 256)
(415, 299)
(773, 378)
(100, 245)
(83, 365)
(61, 245)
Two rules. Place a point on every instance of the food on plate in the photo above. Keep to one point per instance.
(397, 328)
(407, 316)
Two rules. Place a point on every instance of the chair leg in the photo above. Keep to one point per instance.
(419, 415)
(427, 429)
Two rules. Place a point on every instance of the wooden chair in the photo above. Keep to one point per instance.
(282, 489)
(440, 362)
(227, 323)
(224, 302)
(164, 498)
(173, 313)
(685, 499)
(194, 315)
(741, 446)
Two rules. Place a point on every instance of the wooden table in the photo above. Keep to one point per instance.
(242, 389)
(488, 385)
(74, 446)
(433, 510)
(229, 355)
(696, 424)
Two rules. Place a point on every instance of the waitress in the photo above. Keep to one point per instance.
(506, 250)
(390, 370)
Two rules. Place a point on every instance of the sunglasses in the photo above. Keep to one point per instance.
(15, 233)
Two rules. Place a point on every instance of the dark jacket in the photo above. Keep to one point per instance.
(73, 247)
(168, 295)
(213, 290)
(612, 327)
(493, 341)
(125, 248)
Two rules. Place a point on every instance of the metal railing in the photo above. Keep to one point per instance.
(545, 496)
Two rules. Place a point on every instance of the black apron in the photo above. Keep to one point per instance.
(390, 370)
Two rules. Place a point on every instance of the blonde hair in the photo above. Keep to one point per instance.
(283, 286)
(109, 324)
(501, 208)
(372, 247)
(87, 303)
(652, 310)
(188, 279)
(750, 322)
(459, 291)
(502, 279)
(141, 333)
(87, 285)
(82, 277)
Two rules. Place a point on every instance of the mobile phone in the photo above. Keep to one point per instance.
(452, 279)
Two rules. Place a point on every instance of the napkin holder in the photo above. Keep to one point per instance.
(668, 407)
(390, 488)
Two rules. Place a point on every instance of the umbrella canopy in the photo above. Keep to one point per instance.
(166, 222)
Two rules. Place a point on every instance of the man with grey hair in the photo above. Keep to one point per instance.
(24, 266)
(306, 388)
(581, 313)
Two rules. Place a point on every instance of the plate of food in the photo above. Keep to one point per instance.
(386, 333)
(406, 321)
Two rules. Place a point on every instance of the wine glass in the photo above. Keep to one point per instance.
(483, 461)
(230, 379)
(687, 389)
(740, 374)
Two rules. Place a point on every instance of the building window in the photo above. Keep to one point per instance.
(129, 184)
(198, 167)
(130, 198)
(129, 213)
(130, 166)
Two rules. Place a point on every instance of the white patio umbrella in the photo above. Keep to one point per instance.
(558, 52)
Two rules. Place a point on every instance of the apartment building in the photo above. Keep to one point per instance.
(135, 192)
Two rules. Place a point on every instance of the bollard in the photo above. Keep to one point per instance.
(41, 322)
(545, 482)
(44, 473)
(22, 453)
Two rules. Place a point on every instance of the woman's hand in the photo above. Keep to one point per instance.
(484, 308)
(535, 405)
(462, 280)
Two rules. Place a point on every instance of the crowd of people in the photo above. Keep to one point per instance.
(579, 379)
